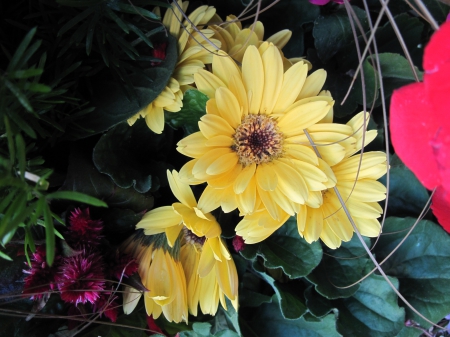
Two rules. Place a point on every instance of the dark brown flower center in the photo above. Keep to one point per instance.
(257, 140)
(192, 238)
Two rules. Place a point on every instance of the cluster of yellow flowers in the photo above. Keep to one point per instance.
(267, 146)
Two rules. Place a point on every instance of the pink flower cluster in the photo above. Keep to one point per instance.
(81, 274)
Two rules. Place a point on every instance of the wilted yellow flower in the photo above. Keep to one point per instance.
(210, 273)
(162, 274)
(193, 54)
(247, 149)
(208, 266)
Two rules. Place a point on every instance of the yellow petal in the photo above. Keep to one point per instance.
(207, 83)
(212, 125)
(293, 81)
(158, 219)
(209, 200)
(266, 177)
(258, 28)
(224, 67)
(273, 79)
(201, 166)
(313, 84)
(181, 190)
(193, 146)
(253, 76)
(207, 260)
(244, 178)
(281, 38)
(290, 182)
(228, 107)
(155, 119)
(301, 117)
(328, 237)
(247, 200)
(314, 224)
(223, 164)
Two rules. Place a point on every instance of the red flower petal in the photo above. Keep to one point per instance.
(412, 128)
(437, 52)
(441, 207)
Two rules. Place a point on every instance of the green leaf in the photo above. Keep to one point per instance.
(411, 29)
(17, 57)
(76, 196)
(40, 88)
(32, 72)
(4, 256)
(369, 87)
(292, 306)
(125, 8)
(269, 322)
(285, 249)
(406, 194)
(231, 317)
(372, 311)
(317, 305)
(23, 125)
(334, 31)
(139, 33)
(113, 106)
(80, 17)
(194, 107)
(133, 156)
(117, 20)
(49, 235)
(22, 98)
(83, 177)
(395, 65)
(419, 264)
(21, 160)
(340, 268)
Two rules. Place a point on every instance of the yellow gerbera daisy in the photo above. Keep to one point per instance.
(210, 271)
(355, 183)
(162, 274)
(247, 149)
(193, 54)
(235, 40)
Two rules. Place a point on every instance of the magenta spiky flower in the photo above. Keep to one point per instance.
(83, 228)
(81, 278)
(41, 277)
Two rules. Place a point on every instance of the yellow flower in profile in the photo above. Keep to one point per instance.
(247, 148)
(235, 40)
(208, 266)
(356, 181)
(161, 273)
(193, 54)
